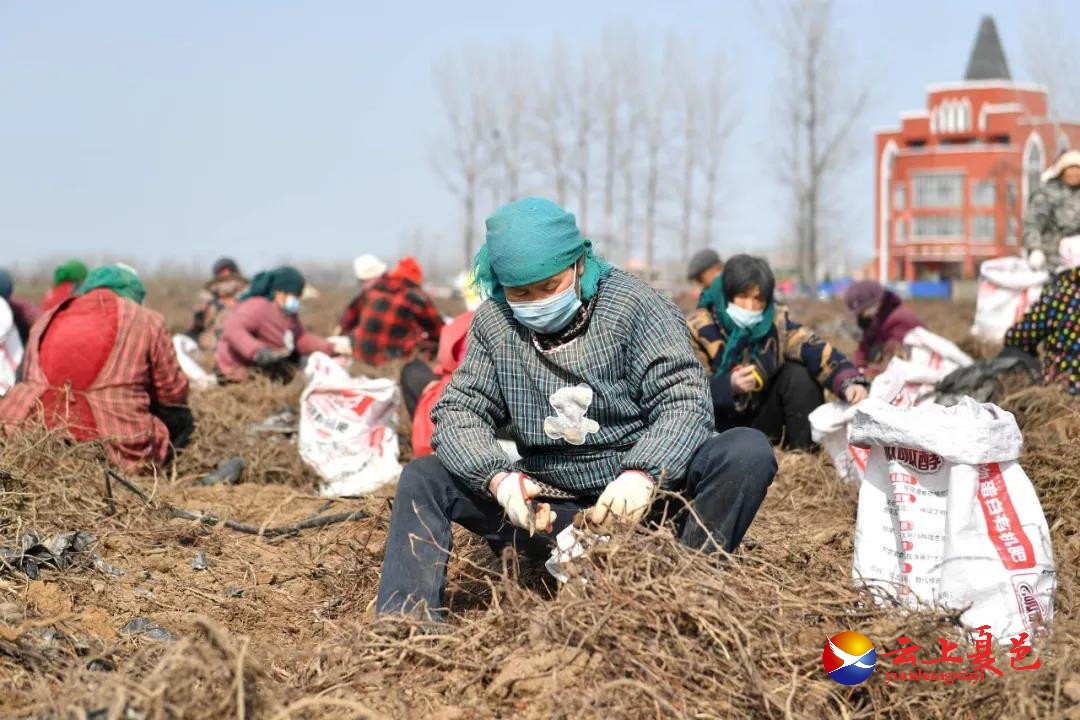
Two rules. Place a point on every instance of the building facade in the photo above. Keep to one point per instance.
(953, 180)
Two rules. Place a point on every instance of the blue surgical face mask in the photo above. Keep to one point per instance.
(743, 318)
(549, 315)
(292, 305)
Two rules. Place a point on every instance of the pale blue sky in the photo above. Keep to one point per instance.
(155, 130)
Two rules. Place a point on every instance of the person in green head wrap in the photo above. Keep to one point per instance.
(66, 279)
(264, 332)
(592, 372)
(766, 371)
(101, 367)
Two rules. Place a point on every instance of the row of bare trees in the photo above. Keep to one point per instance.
(629, 135)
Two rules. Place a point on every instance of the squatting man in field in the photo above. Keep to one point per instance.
(593, 373)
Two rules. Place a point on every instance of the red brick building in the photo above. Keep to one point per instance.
(953, 180)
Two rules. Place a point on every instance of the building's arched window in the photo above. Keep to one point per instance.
(965, 115)
(947, 123)
(1034, 164)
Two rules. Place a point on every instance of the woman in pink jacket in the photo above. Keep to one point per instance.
(263, 332)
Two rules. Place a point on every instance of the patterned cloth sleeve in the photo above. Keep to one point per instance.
(674, 393)
(827, 364)
(1029, 333)
(466, 416)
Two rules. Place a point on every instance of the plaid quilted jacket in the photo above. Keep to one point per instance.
(787, 342)
(649, 408)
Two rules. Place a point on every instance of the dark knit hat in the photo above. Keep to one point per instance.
(225, 263)
(863, 295)
(702, 261)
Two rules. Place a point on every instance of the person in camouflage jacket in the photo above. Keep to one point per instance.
(592, 372)
(1053, 212)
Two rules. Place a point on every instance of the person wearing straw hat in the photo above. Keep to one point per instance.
(1053, 212)
(101, 367)
(592, 371)
(216, 299)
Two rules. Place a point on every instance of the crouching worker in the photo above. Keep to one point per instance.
(263, 332)
(884, 322)
(766, 371)
(1052, 324)
(593, 373)
(102, 367)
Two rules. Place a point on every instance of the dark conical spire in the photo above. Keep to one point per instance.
(987, 60)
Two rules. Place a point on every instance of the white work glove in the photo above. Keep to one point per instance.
(1036, 259)
(341, 344)
(627, 498)
(514, 491)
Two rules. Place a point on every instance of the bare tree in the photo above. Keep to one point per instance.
(584, 115)
(717, 122)
(509, 109)
(820, 111)
(1051, 55)
(656, 111)
(553, 111)
(462, 160)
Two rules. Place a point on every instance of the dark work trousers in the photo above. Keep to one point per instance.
(783, 412)
(415, 376)
(179, 421)
(725, 484)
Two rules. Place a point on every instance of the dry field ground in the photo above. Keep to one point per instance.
(280, 626)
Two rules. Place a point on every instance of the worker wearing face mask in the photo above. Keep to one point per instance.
(767, 371)
(263, 332)
(592, 372)
(884, 322)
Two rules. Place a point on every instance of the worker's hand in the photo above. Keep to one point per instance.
(341, 344)
(267, 357)
(514, 491)
(1036, 259)
(627, 498)
(856, 393)
(743, 380)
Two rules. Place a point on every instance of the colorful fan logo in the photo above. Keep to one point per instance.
(849, 657)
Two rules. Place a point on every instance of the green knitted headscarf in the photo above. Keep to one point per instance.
(286, 278)
(532, 239)
(713, 299)
(73, 271)
(120, 280)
